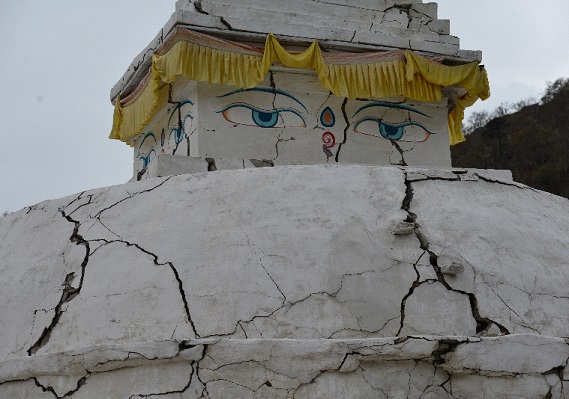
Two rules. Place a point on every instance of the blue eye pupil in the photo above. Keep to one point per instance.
(391, 132)
(265, 119)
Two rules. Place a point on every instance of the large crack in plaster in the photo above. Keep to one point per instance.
(80, 383)
(347, 121)
(204, 393)
(439, 354)
(69, 292)
(483, 324)
(157, 263)
(280, 140)
(172, 392)
(91, 198)
(507, 183)
(401, 152)
(199, 8)
(182, 346)
(44, 388)
(180, 128)
(437, 358)
(414, 286)
(98, 214)
(273, 86)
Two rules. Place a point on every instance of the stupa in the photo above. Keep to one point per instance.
(293, 227)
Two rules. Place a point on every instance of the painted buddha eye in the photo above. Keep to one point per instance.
(408, 131)
(247, 115)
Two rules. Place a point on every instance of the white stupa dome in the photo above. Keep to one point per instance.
(297, 281)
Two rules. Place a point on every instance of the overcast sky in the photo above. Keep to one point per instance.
(61, 58)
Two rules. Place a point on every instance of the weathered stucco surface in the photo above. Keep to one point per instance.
(288, 282)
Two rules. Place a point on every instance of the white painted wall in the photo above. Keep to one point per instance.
(173, 131)
(289, 118)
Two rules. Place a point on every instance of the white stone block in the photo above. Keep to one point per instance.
(320, 11)
(425, 35)
(287, 29)
(417, 23)
(185, 5)
(433, 47)
(528, 354)
(298, 16)
(395, 18)
(440, 26)
(424, 10)
(407, 2)
(169, 165)
(469, 55)
(229, 164)
(448, 39)
(198, 19)
(347, 6)
(414, 174)
(381, 39)
(500, 174)
(519, 387)
(393, 31)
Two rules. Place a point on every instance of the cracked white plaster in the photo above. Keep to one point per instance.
(310, 252)
(311, 358)
(375, 298)
(63, 385)
(409, 379)
(514, 242)
(527, 354)
(411, 367)
(433, 309)
(226, 237)
(33, 289)
(318, 315)
(142, 381)
(340, 385)
(518, 387)
(23, 390)
(116, 301)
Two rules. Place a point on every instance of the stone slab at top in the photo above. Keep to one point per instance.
(347, 25)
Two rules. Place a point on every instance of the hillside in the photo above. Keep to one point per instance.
(533, 143)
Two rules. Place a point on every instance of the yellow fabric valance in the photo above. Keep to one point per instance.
(204, 58)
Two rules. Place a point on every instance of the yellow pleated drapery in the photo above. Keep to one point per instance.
(203, 58)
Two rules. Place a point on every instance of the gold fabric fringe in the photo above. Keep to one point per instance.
(203, 58)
